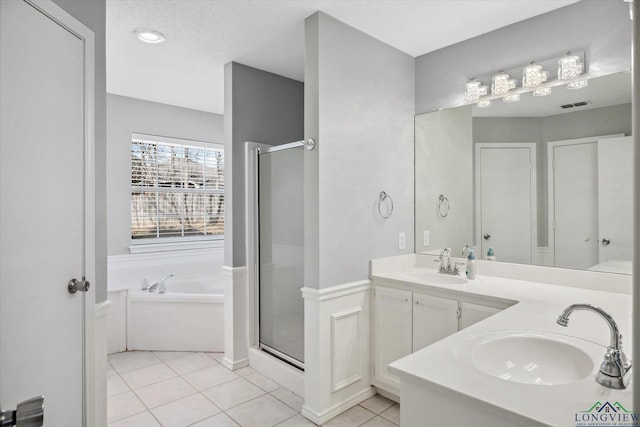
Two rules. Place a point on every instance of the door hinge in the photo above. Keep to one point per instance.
(459, 312)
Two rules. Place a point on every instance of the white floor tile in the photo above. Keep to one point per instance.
(110, 371)
(115, 385)
(297, 421)
(210, 377)
(233, 393)
(190, 363)
(185, 411)
(143, 419)
(392, 414)
(130, 360)
(148, 375)
(216, 356)
(377, 404)
(264, 411)
(220, 420)
(123, 405)
(171, 355)
(244, 371)
(353, 417)
(164, 392)
(289, 398)
(263, 382)
(379, 422)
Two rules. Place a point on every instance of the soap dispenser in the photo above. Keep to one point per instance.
(491, 255)
(471, 265)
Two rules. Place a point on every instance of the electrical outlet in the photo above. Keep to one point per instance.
(426, 237)
(402, 240)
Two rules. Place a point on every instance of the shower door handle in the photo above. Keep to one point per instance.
(29, 413)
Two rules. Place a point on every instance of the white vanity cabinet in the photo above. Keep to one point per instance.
(406, 321)
(433, 319)
(392, 326)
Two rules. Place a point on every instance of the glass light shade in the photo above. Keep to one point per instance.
(500, 84)
(514, 97)
(484, 104)
(472, 90)
(569, 67)
(543, 91)
(578, 84)
(531, 76)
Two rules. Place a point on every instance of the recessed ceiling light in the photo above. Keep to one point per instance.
(149, 36)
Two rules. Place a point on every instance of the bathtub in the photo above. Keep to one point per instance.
(188, 317)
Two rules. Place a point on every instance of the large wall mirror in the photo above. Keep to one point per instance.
(545, 181)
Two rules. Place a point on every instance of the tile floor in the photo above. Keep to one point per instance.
(179, 389)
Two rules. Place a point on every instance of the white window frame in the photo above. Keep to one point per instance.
(157, 244)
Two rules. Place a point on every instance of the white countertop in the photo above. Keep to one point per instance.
(536, 309)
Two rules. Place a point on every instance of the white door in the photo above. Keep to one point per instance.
(392, 332)
(506, 201)
(433, 319)
(615, 199)
(43, 132)
(575, 205)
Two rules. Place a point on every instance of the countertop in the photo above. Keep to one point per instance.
(536, 307)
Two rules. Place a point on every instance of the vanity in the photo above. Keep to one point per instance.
(496, 356)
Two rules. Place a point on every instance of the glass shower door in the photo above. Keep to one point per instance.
(281, 252)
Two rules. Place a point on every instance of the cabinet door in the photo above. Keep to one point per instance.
(392, 332)
(473, 313)
(433, 319)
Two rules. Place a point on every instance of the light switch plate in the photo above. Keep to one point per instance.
(402, 240)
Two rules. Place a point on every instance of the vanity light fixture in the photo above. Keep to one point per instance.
(149, 36)
(535, 79)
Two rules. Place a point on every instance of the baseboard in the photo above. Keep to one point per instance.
(279, 371)
(391, 396)
(233, 365)
(324, 416)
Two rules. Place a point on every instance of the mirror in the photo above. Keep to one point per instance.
(544, 181)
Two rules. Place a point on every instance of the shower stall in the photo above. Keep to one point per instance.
(279, 249)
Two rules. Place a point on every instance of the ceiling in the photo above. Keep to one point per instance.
(203, 35)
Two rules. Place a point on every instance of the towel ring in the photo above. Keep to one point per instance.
(443, 206)
(381, 198)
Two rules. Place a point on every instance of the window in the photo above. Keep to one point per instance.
(177, 190)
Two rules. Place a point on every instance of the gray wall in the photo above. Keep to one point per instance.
(600, 27)
(259, 107)
(444, 165)
(129, 115)
(93, 15)
(359, 106)
(580, 124)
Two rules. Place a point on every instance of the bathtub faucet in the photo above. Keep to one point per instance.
(160, 286)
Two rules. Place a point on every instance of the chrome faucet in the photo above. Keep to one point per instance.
(445, 267)
(615, 366)
(465, 250)
(160, 286)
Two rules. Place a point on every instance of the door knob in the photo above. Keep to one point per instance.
(605, 242)
(487, 236)
(76, 285)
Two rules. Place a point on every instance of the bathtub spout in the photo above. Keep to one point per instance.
(160, 286)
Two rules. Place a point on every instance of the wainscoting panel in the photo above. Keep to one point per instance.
(345, 348)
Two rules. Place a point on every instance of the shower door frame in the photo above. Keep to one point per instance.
(252, 151)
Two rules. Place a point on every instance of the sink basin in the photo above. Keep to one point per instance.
(538, 358)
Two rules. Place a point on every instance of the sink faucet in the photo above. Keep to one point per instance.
(445, 267)
(615, 366)
(465, 250)
(160, 286)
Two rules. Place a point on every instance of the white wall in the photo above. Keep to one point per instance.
(359, 108)
(129, 115)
